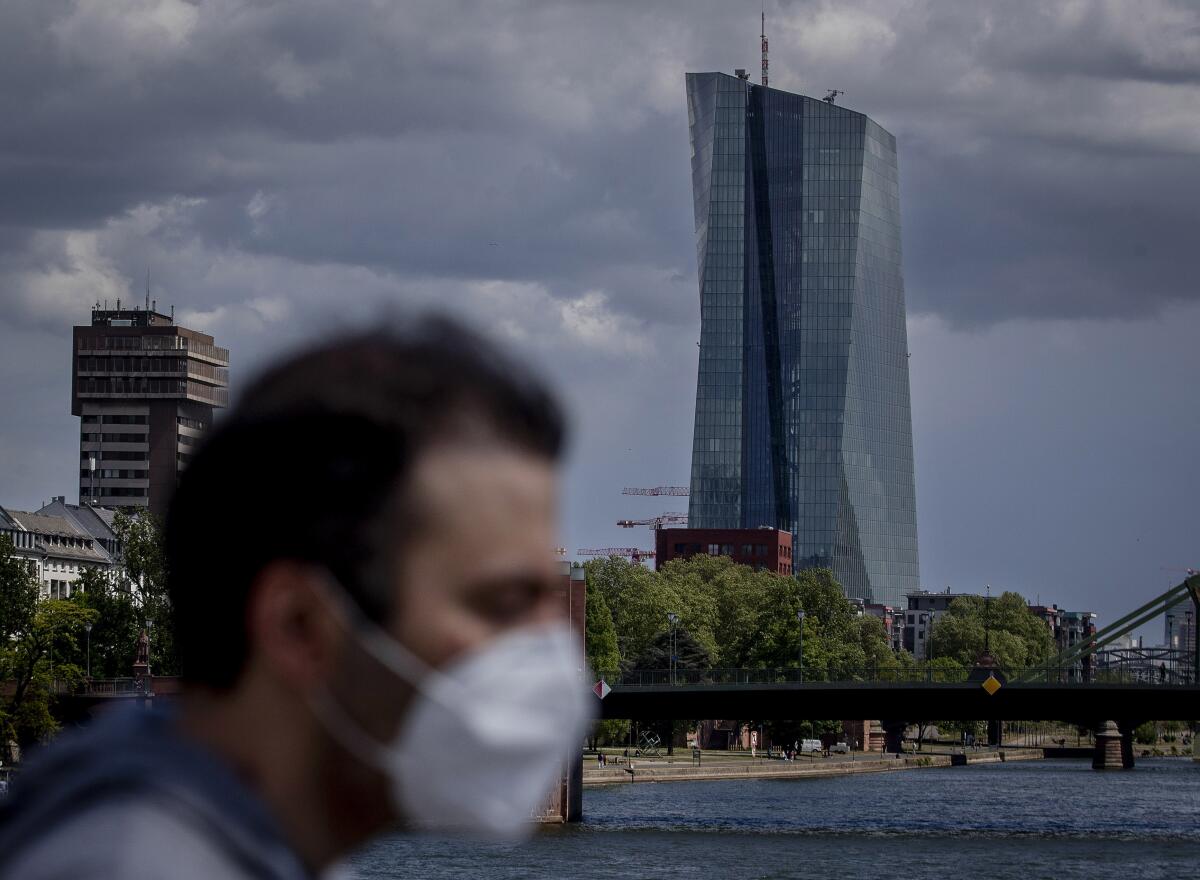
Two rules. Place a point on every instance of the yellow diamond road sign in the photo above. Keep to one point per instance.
(991, 684)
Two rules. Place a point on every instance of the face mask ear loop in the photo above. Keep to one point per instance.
(348, 732)
(384, 647)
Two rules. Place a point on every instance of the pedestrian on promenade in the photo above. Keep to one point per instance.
(349, 667)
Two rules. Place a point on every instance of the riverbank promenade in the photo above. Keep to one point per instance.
(732, 765)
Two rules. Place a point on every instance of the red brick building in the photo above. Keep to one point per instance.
(767, 549)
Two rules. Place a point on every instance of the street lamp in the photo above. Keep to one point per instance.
(674, 619)
(923, 623)
(800, 617)
(87, 628)
(987, 622)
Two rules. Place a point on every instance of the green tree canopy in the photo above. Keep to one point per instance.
(740, 617)
(1015, 635)
(39, 639)
(690, 653)
(143, 577)
(637, 604)
(111, 646)
(600, 633)
(18, 591)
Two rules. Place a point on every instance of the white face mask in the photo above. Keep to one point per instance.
(486, 738)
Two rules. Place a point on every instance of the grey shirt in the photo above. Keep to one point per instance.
(131, 798)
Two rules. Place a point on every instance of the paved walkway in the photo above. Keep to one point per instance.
(722, 766)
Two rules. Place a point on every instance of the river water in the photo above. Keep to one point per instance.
(1024, 820)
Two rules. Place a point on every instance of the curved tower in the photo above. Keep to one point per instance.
(803, 420)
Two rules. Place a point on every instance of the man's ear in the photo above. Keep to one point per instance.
(290, 626)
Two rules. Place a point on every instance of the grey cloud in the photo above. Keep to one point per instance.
(547, 142)
(285, 167)
(1113, 40)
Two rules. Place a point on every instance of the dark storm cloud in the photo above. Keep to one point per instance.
(284, 167)
(1070, 240)
(378, 135)
(1147, 42)
(547, 142)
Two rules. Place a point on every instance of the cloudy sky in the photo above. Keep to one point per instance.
(286, 168)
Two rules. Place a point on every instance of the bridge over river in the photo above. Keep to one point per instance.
(1113, 705)
(982, 693)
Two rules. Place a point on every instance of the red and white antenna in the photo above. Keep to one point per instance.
(764, 47)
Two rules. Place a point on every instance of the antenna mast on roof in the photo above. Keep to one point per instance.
(764, 47)
(147, 288)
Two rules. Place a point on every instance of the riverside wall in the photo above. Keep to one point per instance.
(651, 770)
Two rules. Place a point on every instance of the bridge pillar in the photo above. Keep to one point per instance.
(1114, 747)
(995, 733)
(1126, 728)
(875, 740)
(893, 735)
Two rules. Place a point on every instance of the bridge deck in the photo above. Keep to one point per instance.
(926, 700)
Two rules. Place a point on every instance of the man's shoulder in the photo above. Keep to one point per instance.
(132, 837)
(132, 797)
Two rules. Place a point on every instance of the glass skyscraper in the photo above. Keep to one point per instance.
(803, 419)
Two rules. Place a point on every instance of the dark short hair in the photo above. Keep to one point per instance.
(312, 465)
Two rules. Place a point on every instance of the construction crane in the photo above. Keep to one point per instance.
(657, 490)
(633, 553)
(655, 522)
(832, 96)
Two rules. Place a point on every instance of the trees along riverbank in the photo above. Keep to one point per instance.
(45, 647)
(1012, 634)
(732, 616)
(728, 615)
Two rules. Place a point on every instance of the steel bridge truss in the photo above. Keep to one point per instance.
(1159, 605)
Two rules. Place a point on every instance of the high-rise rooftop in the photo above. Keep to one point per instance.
(145, 389)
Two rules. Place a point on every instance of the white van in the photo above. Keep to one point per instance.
(811, 745)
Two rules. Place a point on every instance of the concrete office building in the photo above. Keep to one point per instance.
(803, 418)
(144, 389)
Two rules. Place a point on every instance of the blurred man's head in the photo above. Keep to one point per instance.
(403, 479)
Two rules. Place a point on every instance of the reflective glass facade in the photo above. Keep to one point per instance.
(803, 419)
